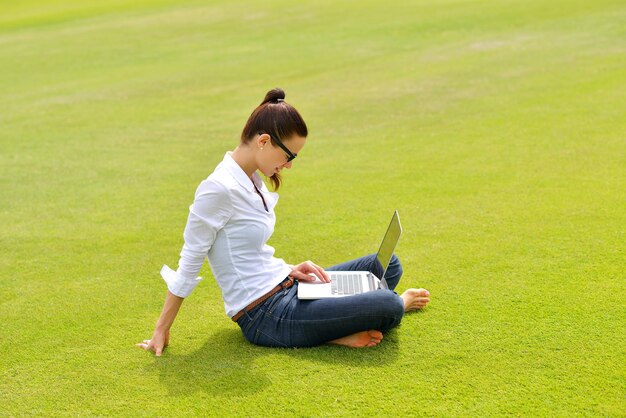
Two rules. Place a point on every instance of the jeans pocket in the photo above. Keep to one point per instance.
(274, 301)
(256, 313)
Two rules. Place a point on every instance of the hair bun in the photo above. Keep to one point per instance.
(276, 95)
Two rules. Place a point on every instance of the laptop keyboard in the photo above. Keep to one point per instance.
(346, 284)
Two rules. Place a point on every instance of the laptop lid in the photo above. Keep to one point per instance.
(388, 246)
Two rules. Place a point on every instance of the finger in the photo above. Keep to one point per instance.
(312, 277)
(311, 267)
(297, 275)
(325, 275)
(320, 273)
(304, 277)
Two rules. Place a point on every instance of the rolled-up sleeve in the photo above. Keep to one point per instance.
(211, 209)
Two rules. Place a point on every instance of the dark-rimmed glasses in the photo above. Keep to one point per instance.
(290, 155)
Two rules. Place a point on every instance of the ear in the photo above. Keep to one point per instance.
(262, 140)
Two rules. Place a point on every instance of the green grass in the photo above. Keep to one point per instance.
(497, 129)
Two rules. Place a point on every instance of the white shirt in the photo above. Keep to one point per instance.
(228, 223)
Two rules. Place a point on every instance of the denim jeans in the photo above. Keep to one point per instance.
(283, 320)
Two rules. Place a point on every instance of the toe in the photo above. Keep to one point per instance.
(375, 334)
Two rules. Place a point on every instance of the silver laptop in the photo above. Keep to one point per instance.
(346, 283)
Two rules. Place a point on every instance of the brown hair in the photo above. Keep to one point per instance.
(276, 118)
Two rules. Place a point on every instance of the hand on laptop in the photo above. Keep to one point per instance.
(309, 272)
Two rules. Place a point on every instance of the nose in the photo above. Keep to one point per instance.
(287, 165)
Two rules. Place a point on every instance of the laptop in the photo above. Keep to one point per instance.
(346, 283)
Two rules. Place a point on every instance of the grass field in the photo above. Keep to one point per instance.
(497, 129)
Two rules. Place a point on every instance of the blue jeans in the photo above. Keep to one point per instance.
(283, 320)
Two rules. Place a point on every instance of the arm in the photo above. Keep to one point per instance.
(161, 335)
(210, 211)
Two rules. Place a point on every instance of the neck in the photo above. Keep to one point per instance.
(244, 157)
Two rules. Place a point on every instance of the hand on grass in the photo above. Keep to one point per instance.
(160, 340)
(304, 271)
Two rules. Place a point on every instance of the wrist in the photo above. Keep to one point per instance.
(162, 327)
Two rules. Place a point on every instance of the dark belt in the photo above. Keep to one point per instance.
(285, 284)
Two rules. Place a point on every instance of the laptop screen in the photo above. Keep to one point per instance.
(387, 247)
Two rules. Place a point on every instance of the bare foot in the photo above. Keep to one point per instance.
(360, 339)
(415, 299)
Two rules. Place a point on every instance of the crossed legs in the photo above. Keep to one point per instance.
(412, 299)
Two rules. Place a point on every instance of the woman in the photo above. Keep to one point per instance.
(230, 221)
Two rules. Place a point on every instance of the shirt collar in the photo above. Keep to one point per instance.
(237, 172)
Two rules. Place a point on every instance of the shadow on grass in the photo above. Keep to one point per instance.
(228, 366)
(224, 366)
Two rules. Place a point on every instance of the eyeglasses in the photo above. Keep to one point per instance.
(290, 155)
